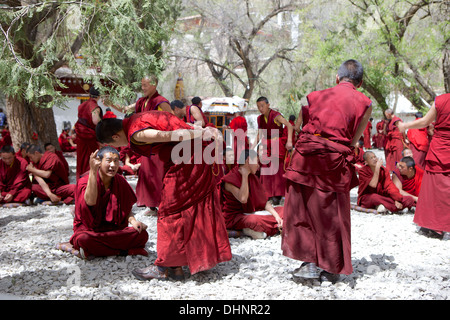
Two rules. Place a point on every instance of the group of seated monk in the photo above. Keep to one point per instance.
(34, 175)
(377, 190)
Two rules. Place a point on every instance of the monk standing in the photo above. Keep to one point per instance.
(191, 228)
(103, 206)
(367, 135)
(150, 174)
(276, 144)
(379, 137)
(245, 204)
(376, 189)
(433, 207)
(316, 217)
(50, 177)
(15, 185)
(395, 141)
(89, 114)
(189, 114)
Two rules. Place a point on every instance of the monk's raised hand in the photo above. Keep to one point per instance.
(94, 161)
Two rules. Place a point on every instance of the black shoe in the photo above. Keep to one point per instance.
(331, 277)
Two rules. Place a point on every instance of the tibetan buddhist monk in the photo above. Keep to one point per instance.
(367, 134)
(395, 140)
(65, 141)
(359, 155)
(419, 142)
(245, 205)
(103, 211)
(89, 114)
(407, 177)
(238, 128)
(150, 174)
(50, 147)
(379, 137)
(190, 229)
(22, 152)
(316, 217)
(197, 102)
(276, 145)
(190, 114)
(433, 207)
(376, 189)
(50, 178)
(15, 185)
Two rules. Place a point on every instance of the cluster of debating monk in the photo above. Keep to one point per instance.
(200, 203)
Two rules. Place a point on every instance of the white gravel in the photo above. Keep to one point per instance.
(390, 261)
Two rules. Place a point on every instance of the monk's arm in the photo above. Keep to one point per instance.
(421, 122)
(299, 121)
(374, 181)
(155, 136)
(39, 173)
(53, 197)
(96, 116)
(242, 193)
(123, 109)
(137, 225)
(197, 116)
(274, 213)
(399, 186)
(91, 192)
(362, 126)
(281, 119)
(165, 107)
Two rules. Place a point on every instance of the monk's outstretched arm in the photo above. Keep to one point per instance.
(421, 122)
(281, 119)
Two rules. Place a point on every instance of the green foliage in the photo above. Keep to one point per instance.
(122, 38)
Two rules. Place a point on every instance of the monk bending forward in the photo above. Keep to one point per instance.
(191, 228)
(103, 206)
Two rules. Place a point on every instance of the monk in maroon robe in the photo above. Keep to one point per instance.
(89, 114)
(379, 137)
(407, 177)
(433, 207)
(15, 185)
(359, 155)
(189, 114)
(419, 142)
(316, 217)
(367, 134)
(245, 205)
(191, 228)
(395, 141)
(104, 200)
(6, 138)
(376, 189)
(49, 147)
(276, 146)
(22, 153)
(64, 142)
(239, 127)
(150, 174)
(50, 178)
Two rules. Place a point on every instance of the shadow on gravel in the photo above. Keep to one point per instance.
(4, 221)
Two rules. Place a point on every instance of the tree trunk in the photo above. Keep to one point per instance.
(446, 67)
(29, 123)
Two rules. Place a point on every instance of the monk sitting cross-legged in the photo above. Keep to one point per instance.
(245, 204)
(103, 206)
(376, 189)
(15, 186)
(408, 177)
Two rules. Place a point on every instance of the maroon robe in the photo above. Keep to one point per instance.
(151, 171)
(58, 182)
(367, 135)
(190, 119)
(14, 180)
(241, 215)
(379, 138)
(433, 206)
(316, 217)
(102, 229)
(386, 192)
(394, 144)
(86, 140)
(64, 143)
(191, 228)
(419, 144)
(411, 185)
(134, 159)
(240, 138)
(273, 179)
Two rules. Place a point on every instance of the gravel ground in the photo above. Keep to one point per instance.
(391, 261)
